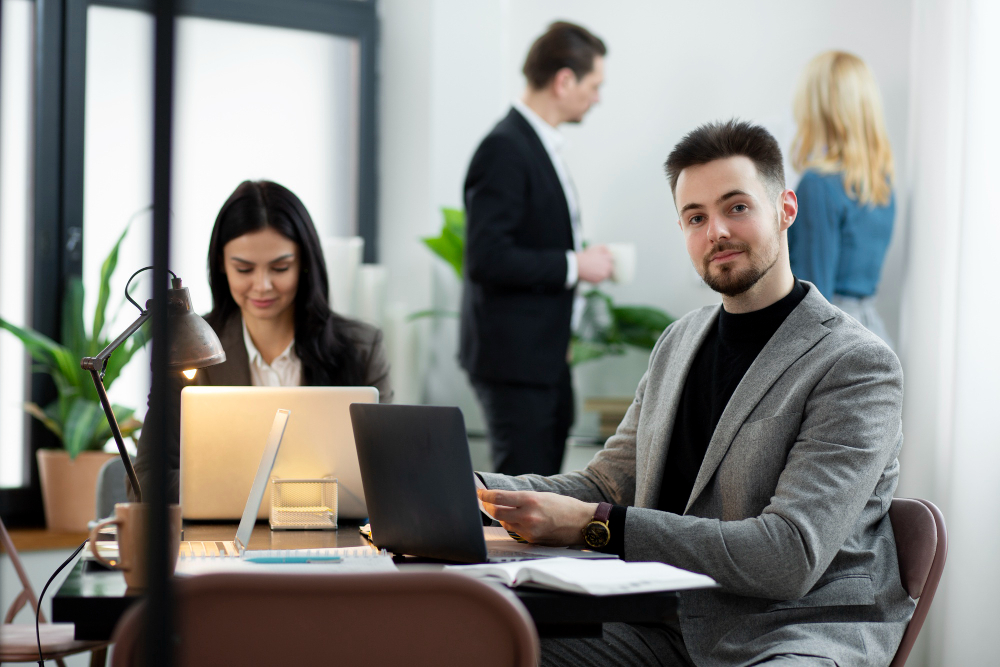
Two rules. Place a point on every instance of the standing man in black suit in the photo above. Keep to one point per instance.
(524, 257)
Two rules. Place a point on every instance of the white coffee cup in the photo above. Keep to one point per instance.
(624, 256)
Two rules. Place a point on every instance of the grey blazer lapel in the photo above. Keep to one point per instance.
(235, 370)
(671, 380)
(801, 330)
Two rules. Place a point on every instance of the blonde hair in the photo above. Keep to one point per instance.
(841, 127)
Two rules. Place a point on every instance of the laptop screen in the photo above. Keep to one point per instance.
(260, 481)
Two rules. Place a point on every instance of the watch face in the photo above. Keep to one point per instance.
(596, 534)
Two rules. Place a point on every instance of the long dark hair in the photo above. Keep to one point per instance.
(322, 338)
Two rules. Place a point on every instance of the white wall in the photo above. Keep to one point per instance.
(449, 69)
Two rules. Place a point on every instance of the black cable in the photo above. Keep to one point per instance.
(129, 296)
(38, 609)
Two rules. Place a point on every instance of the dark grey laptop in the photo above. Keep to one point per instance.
(417, 476)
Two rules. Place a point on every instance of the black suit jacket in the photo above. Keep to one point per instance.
(516, 309)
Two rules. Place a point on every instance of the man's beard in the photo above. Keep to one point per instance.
(733, 282)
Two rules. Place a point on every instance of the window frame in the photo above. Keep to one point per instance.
(60, 94)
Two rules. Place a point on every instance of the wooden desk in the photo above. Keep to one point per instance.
(95, 598)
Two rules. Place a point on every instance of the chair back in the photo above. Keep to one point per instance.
(404, 618)
(921, 547)
(27, 593)
(111, 487)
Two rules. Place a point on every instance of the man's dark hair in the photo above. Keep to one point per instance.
(563, 45)
(717, 141)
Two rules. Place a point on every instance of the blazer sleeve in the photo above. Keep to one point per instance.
(497, 203)
(814, 237)
(849, 434)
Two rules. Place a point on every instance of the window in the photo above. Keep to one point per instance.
(17, 44)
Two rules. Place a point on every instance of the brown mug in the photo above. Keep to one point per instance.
(132, 521)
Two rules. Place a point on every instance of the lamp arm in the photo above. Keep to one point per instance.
(116, 431)
(101, 360)
(96, 367)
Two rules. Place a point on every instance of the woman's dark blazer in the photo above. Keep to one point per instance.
(235, 372)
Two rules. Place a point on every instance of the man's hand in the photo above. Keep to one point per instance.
(540, 518)
(595, 264)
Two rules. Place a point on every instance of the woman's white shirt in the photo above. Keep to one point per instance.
(284, 371)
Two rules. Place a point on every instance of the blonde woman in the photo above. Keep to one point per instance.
(846, 203)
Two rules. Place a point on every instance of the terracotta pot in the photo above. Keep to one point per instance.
(69, 487)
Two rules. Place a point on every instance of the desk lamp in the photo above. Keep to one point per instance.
(193, 345)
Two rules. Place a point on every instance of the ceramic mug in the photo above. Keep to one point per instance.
(624, 256)
(132, 521)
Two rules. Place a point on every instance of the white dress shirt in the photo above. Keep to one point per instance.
(554, 141)
(284, 371)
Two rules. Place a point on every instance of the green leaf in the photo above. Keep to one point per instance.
(454, 222)
(123, 416)
(73, 334)
(44, 417)
(104, 292)
(125, 353)
(82, 426)
(55, 358)
(641, 326)
(582, 351)
(433, 312)
(449, 248)
(449, 244)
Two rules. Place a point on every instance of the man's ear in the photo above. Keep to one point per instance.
(562, 81)
(788, 209)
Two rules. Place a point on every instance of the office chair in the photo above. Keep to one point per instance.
(18, 641)
(110, 487)
(404, 618)
(922, 547)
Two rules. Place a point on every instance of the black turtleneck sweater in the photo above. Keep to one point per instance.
(723, 359)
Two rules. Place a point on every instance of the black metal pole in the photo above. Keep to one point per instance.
(159, 620)
(117, 433)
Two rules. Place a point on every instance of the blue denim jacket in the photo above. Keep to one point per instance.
(836, 243)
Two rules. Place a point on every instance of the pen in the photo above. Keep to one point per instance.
(268, 560)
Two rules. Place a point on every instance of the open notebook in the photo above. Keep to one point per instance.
(203, 557)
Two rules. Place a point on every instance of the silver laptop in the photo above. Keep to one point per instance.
(222, 437)
(239, 545)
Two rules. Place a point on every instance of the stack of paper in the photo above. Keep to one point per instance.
(592, 577)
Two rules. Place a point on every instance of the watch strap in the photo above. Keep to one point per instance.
(603, 512)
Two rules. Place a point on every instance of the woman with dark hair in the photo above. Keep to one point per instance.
(271, 311)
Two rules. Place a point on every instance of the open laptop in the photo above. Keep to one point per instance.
(238, 547)
(222, 438)
(418, 479)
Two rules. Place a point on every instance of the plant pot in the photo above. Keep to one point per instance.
(69, 487)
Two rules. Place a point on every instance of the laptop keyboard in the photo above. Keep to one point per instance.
(208, 550)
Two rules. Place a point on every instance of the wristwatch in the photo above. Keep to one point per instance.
(596, 533)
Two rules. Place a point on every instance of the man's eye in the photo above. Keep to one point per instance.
(696, 219)
(740, 208)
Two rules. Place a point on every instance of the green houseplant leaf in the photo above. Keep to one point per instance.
(76, 416)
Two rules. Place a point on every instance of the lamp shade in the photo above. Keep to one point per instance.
(193, 343)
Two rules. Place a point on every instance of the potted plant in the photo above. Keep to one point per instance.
(605, 329)
(69, 476)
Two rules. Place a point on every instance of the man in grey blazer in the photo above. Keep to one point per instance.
(761, 449)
